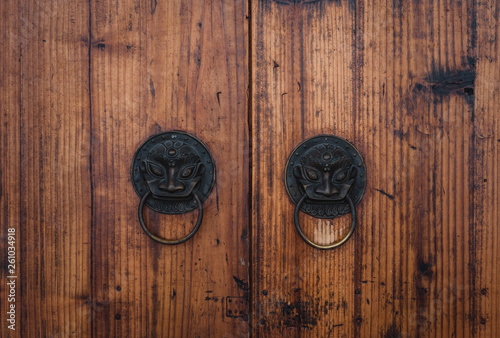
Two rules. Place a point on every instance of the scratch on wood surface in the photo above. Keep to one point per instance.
(154, 3)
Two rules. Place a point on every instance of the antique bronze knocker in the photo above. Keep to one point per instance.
(325, 177)
(173, 173)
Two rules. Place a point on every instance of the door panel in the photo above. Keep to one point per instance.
(156, 66)
(411, 84)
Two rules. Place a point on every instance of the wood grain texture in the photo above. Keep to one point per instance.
(45, 164)
(486, 135)
(10, 176)
(157, 66)
(303, 70)
(414, 86)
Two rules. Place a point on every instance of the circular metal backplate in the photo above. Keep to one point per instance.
(320, 159)
(173, 165)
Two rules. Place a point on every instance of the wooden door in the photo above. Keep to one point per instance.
(414, 85)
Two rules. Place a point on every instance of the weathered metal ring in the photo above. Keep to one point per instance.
(170, 241)
(330, 246)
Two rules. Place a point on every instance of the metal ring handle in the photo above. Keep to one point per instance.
(318, 246)
(168, 241)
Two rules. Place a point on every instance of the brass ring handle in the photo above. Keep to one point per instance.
(170, 241)
(318, 246)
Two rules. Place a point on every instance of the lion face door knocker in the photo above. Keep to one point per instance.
(325, 178)
(173, 173)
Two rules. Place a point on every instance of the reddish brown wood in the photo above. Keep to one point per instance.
(10, 176)
(303, 66)
(414, 86)
(160, 66)
(45, 171)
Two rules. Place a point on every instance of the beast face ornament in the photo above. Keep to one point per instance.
(173, 173)
(325, 178)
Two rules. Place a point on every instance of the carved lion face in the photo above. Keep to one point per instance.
(172, 169)
(326, 173)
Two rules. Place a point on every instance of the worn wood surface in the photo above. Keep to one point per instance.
(10, 177)
(160, 66)
(45, 170)
(415, 86)
(303, 85)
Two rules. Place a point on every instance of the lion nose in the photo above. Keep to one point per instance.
(174, 187)
(171, 185)
(327, 188)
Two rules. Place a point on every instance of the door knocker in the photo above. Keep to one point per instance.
(173, 173)
(325, 177)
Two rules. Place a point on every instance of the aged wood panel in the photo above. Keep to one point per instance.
(486, 159)
(45, 163)
(427, 59)
(303, 70)
(414, 85)
(10, 176)
(415, 113)
(157, 66)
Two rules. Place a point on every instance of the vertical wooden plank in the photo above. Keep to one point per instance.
(426, 104)
(416, 115)
(414, 86)
(486, 167)
(10, 176)
(55, 181)
(157, 66)
(45, 129)
(303, 70)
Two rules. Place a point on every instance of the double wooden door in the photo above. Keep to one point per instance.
(413, 84)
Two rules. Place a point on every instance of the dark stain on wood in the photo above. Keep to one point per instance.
(297, 315)
(399, 134)
(242, 285)
(392, 331)
(303, 313)
(424, 268)
(443, 82)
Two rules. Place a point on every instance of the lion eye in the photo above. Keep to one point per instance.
(187, 171)
(155, 170)
(311, 174)
(341, 176)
